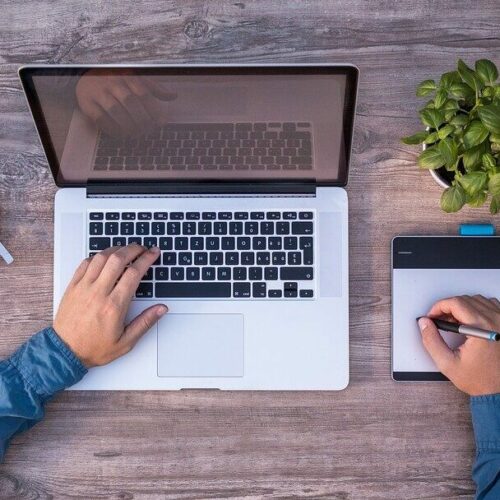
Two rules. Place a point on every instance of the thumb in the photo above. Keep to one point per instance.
(142, 323)
(159, 92)
(437, 348)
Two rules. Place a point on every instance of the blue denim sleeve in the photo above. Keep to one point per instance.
(40, 368)
(486, 422)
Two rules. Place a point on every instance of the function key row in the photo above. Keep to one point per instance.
(96, 216)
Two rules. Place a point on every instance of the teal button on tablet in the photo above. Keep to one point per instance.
(476, 230)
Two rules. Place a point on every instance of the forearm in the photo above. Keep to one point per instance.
(40, 368)
(486, 422)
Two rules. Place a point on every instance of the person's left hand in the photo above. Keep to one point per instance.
(91, 316)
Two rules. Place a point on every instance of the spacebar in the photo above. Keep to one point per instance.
(193, 290)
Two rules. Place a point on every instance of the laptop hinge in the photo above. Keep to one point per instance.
(197, 189)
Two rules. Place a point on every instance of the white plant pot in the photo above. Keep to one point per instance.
(444, 183)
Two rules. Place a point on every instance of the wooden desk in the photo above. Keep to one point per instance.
(375, 439)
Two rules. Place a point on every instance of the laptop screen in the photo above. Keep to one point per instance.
(159, 124)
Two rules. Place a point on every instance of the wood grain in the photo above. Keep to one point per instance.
(377, 439)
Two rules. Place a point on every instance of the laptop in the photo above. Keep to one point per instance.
(236, 174)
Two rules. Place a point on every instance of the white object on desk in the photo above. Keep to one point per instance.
(4, 253)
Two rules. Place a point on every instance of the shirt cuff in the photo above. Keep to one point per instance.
(47, 364)
(486, 421)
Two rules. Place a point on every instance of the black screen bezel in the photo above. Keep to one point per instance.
(26, 74)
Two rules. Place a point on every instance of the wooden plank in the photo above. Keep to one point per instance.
(375, 439)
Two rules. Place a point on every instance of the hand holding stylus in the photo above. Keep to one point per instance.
(474, 367)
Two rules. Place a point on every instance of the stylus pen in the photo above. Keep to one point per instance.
(471, 331)
(4, 253)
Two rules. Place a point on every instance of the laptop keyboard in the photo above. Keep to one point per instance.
(211, 146)
(238, 255)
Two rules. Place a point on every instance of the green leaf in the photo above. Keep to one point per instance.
(472, 157)
(475, 134)
(445, 131)
(495, 138)
(488, 161)
(459, 120)
(426, 87)
(453, 199)
(477, 200)
(474, 182)
(490, 116)
(431, 158)
(440, 99)
(431, 138)
(469, 76)
(417, 138)
(486, 71)
(449, 151)
(448, 79)
(462, 91)
(494, 185)
(495, 205)
(432, 118)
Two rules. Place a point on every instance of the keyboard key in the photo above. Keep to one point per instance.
(243, 243)
(181, 243)
(306, 293)
(228, 243)
(232, 258)
(145, 290)
(258, 243)
(111, 228)
(99, 243)
(275, 294)
(119, 242)
(192, 215)
(273, 215)
(239, 273)
(142, 228)
(302, 227)
(149, 275)
(177, 274)
(126, 228)
(296, 273)
(267, 227)
(166, 243)
(208, 215)
(291, 293)
(96, 228)
(305, 215)
(161, 215)
(144, 215)
(173, 227)
(161, 273)
(274, 243)
(290, 243)
(236, 228)
(241, 290)
(251, 227)
(169, 259)
(289, 215)
(150, 242)
(220, 228)
(247, 258)
(216, 258)
(208, 273)
(176, 216)
(257, 215)
(135, 239)
(212, 243)
(196, 243)
(185, 258)
(158, 228)
(193, 273)
(112, 216)
(270, 273)
(204, 228)
(279, 259)
(259, 290)
(201, 258)
(263, 258)
(241, 215)
(255, 273)
(96, 216)
(224, 215)
(283, 227)
(189, 228)
(294, 258)
(192, 290)
(224, 273)
(306, 245)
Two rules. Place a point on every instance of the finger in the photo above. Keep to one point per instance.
(103, 121)
(141, 324)
(442, 355)
(112, 107)
(141, 119)
(459, 308)
(158, 91)
(495, 302)
(125, 289)
(116, 264)
(80, 272)
(97, 263)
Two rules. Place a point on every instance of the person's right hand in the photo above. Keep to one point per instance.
(474, 367)
(122, 105)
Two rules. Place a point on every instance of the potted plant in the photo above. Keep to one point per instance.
(461, 142)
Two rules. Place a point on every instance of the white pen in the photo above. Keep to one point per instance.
(4, 253)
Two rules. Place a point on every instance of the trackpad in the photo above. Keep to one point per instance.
(200, 345)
